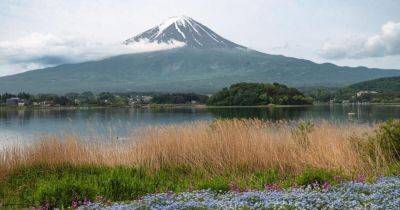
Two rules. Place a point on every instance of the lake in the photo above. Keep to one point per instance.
(25, 125)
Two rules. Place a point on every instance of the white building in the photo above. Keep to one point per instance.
(364, 92)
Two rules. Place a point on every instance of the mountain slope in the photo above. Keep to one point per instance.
(388, 84)
(185, 70)
(205, 64)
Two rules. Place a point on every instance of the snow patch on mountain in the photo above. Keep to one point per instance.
(183, 29)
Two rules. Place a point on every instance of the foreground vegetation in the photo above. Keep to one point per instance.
(221, 155)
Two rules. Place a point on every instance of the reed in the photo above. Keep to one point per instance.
(221, 146)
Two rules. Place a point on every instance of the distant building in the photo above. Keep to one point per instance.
(17, 102)
(365, 92)
(345, 102)
(147, 99)
(47, 103)
(13, 101)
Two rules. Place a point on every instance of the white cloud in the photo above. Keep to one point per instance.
(43, 50)
(384, 44)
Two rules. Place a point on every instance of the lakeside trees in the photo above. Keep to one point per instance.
(240, 94)
(180, 98)
(72, 99)
(107, 98)
(251, 94)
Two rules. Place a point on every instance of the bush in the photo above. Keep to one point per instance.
(217, 184)
(122, 183)
(310, 176)
(388, 137)
(62, 192)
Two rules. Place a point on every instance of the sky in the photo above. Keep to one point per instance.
(41, 33)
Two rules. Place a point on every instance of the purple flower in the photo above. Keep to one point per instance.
(86, 201)
(336, 178)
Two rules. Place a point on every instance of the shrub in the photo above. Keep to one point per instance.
(310, 176)
(217, 184)
(388, 137)
(61, 193)
(266, 177)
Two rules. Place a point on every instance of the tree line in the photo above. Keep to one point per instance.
(107, 98)
(240, 94)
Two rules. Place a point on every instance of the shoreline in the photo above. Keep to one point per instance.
(177, 106)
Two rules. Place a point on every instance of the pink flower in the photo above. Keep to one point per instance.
(326, 185)
(271, 187)
(45, 206)
(74, 204)
(233, 187)
(360, 178)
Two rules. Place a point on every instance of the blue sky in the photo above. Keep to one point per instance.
(40, 33)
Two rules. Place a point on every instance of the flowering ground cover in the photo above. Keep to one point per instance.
(382, 194)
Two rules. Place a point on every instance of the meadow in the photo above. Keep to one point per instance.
(220, 155)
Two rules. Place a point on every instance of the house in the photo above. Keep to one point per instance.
(13, 101)
(365, 92)
(345, 101)
(17, 102)
(47, 103)
(147, 99)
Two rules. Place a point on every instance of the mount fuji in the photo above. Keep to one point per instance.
(196, 60)
(185, 30)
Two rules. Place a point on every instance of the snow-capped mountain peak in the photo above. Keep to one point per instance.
(183, 29)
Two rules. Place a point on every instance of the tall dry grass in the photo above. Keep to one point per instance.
(219, 146)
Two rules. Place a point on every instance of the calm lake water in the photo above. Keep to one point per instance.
(26, 125)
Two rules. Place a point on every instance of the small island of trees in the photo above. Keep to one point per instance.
(254, 94)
